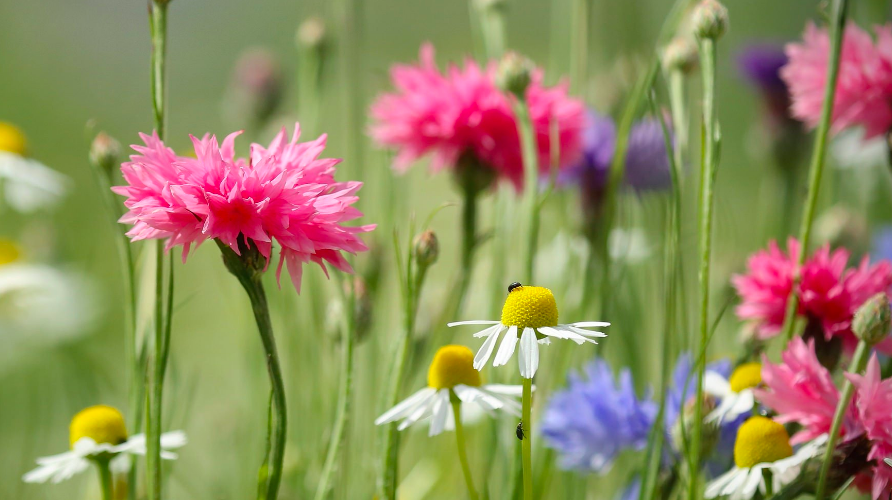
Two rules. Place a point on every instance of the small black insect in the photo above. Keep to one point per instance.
(519, 430)
(514, 285)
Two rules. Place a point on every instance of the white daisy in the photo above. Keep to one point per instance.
(530, 313)
(98, 432)
(28, 185)
(452, 374)
(762, 444)
(735, 393)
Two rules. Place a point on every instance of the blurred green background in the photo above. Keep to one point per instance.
(65, 63)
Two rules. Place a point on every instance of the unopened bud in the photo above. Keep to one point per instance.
(311, 33)
(710, 19)
(427, 248)
(515, 73)
(680, 54)
(873, 319)
(105, 152)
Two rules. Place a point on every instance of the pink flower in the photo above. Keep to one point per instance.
(800, 390)
(873, 404)
(828, 291)
(462, 111)
(864, 89)
(283, 193)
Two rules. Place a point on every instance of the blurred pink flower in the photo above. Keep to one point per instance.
(463, 111)
(864, 89)
(800, 390)
(873, 404)
(829, 292)
(283, 193)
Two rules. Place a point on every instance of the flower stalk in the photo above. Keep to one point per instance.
(105, 479)
(460, 443)
(527, 443)
(816, 169)
(248, 269)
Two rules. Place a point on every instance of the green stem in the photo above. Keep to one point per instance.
(492, 24)
(859, 362)
(768, 477)
(344, 396)
(460, 442)
(351, 67)
(527, 442)
(708, 169)
(679, 113)
(158, 28)
(105, 479)
(580, 24)
(530, 185)
(816, 169)
(469, 244)
(249, 270)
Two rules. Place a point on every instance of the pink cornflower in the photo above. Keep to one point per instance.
(463, 112)
(864, 89)
(829, 292)
(873, 404)
(801, 390)
(283, 193)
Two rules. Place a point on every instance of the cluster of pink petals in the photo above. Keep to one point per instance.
(873, 403)
(801, 390)
(828, 290)
(464, 112)
(864, 89)
(282, 193)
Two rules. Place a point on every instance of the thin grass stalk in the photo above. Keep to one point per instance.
(530, 186)
(351, 68)
(158, 29)
(859, 362)
(816, 169)
(582, 12)
(492, 25)
(460, 444)
(344, 395)
(708, 168)
(527, 443)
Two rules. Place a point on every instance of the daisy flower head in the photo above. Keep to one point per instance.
(452, 378)
(762, 445)
(735, 392)
(28, 185)
(864, 90)
(530, 317)
(462, 117)
(99, 434)
(282, 193)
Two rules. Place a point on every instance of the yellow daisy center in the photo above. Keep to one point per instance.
(530, 307)
(453, 365)
(746, 376)
(100, 423)
(761, 440)
(12, 139)
(9, 251)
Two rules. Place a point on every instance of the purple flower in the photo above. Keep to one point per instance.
(761, 64)
(596, 418)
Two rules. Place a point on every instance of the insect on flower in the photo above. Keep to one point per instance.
(519, 430)
(514, 286)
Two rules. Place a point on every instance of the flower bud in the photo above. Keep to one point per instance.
(256, 88)
(515, 73)
(105, 152)
(710, 19)
(311, 33)
(427, 248)
(680, 54)
(873, 319)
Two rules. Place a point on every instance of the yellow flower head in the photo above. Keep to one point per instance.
(9, 251)
(746, 376)
(12, 139)
(100, 423)
(761, 440)
(530, 307)
(453, 365)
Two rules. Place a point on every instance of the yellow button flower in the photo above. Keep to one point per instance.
(453, 365)
(9, 252)
(746, 376)
(101, 423)
(759, 440)
(12, 140)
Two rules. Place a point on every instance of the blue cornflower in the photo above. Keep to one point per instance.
(596, 418)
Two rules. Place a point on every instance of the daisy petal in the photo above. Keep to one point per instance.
(485, 351)
(506, 350)
(405, 407)
(472, 322)
(529, 354)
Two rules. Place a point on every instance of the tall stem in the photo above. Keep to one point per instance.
(105, 479)
(344, 396)
(460, 442)
(492, 24)
(708, 167)
(530, 185)
(816, 169)
(158, 28)
(679, 113)
(248, 269)
(527, 443)
(859, 362)
(351, 67)
(582, 12)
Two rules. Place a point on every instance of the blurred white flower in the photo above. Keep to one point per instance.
(629, 245)
(29, 185)
(850, 150)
